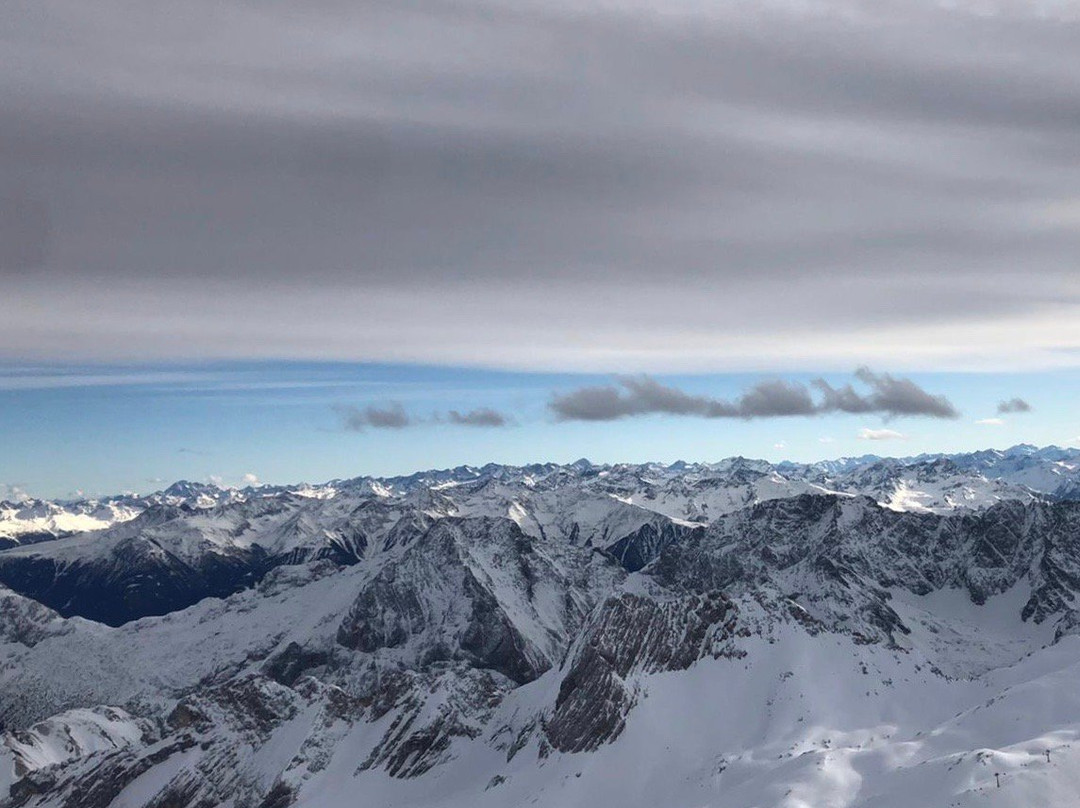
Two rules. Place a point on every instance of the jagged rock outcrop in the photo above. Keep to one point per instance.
(25, 621)
(477, 590)
(844, 553)
(431, 712)
(631, 634)
(639, 548)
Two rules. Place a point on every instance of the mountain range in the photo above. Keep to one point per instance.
(859, 632)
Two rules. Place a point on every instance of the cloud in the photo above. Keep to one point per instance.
(879, 434)
(888, 395)
(250, 479)
(496, 183)
(780, 445)
(825, 439)
(641, 395)
(1013, 405)
(482, 416)
(644, 395)
(771, 399)
(394, 416)
(991, 422)
(13, 492)
(356, 419)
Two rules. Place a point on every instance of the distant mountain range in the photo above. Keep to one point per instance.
(691, 491)
(860, 632)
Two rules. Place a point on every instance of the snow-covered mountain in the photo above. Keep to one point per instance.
(730, 634)
(30, 520)
(696, 492)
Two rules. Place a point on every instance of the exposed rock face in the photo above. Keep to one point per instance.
(97, 785)
(639, 548)
(73, 735)
(213, 732)
(480, 591)
(434, 710)
(842, 553)
(629, 635)
(288, 665)
(27, 622)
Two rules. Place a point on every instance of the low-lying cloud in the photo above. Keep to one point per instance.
(880, 434)
(12, 492)
(1013, 405)
(643, 395)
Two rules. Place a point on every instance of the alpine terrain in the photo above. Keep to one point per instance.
(865, 633)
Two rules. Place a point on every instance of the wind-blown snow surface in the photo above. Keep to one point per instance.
(726, 635)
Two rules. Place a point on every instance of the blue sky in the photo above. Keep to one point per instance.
(103, 429)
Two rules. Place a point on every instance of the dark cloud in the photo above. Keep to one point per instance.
(482, 416)
(771, 399)
(888, 395)
(642, 395)
(473, 174)
(394, 416)
(356, 419)
(1013, 405)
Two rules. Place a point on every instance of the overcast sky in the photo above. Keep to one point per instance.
(615, 186)
(827, 211)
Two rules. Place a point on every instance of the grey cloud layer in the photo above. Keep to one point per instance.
(886, 395)
(525, 184)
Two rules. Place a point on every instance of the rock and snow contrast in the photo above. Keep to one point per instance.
(867, 633)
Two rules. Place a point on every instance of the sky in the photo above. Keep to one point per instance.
(301, 241)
